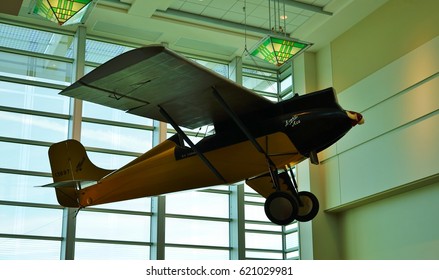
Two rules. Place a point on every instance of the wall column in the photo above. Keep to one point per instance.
(319, 238)
(69, 214)
(158, 206)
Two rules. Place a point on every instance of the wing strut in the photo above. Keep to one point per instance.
(237, 121)
(243, 128)
(190, 143)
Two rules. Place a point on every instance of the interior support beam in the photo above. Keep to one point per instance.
(158, 228)
(210, 20)
(237, 222)
(69, 214)
(216, 21)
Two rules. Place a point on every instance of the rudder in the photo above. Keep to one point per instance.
(70, 166)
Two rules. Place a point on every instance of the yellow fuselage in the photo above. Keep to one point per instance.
(159, 171)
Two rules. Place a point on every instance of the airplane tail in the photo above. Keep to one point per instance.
(71, 170)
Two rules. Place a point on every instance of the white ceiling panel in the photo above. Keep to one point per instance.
(235, 17)
(213, 12)
(192, 7)
(216, 28)
(223, 3)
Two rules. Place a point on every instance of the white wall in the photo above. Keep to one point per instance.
(398, 143)
(397, 150)
(402, 226)
(379, 185)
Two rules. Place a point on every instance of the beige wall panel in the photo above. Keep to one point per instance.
(385, 67)
(391, 31)
(324, 68)
(330, 185)
(397, 158)
(398, 142)
(407, 106)
(400, 227)
(396, 95)
(410, 69)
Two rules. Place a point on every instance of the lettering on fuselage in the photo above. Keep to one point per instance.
(61, 173)
(293, 121)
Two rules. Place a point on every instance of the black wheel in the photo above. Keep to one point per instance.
(281, 208)
(308, 206)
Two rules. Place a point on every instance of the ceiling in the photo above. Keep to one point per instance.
(219, 29)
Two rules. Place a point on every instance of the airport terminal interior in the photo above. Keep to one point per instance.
(378, 186)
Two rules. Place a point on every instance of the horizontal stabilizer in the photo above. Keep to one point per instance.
(69, 184)
(67, 192)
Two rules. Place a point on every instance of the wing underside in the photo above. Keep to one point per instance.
(145, 79)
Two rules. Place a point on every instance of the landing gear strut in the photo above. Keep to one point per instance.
(287, 204)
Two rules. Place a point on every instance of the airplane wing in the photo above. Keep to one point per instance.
(144, 79)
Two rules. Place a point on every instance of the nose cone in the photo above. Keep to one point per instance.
(356, 118)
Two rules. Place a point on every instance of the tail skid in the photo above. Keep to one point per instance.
(71, 171)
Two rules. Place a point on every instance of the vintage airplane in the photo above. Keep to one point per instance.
(254, 139)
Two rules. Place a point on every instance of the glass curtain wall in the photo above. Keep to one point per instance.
(34, 66)
(113, 138)
(279, 242)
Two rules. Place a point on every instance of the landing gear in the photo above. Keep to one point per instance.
(286, 204)
(308, 206)
(283, 205)
(281, 208)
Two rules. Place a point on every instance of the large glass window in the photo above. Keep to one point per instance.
(116, 137)
(24, 157)
(110, 251)
(36, 68)
(198, 203)
(197, 232)
(26, 126)
(263, 82)
(99, 52)
(197, 221)
(23, 188)
(99, 112)
(30, 221)
(179, 253)
(258, 227)
(286, 82)
(29, 249)
(35, 41)
(112, 226)
(219, 68)
(35, 65)
(113, 138)
(30, 97)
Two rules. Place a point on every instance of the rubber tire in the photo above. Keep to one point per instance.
(310, 206)
(281, 208)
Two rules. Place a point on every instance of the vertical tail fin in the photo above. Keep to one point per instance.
(70, 166)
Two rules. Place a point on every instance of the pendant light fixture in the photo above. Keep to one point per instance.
(63, 12)
(276, 47)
